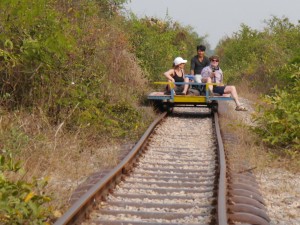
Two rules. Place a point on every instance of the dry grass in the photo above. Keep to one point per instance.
(248, 145)
(246, 90)
(64, 159)
(245, 145)
(260, 154)
(67, 159)
(276, 173)
(72, 162)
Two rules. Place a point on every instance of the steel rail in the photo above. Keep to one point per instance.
(81, 208)
(222, 190)
(83, 205)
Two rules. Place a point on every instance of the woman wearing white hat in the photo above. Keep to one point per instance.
(176, 74)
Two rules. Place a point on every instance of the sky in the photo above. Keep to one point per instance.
(217, 19)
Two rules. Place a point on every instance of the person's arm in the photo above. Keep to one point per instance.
(192, 66)
(169, 75)
(221, 77)
(205, 73)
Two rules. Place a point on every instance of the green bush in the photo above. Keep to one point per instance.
(33, 41)
(116, 120)
(156, 43)
(269, 61)
(21, 202)
(279, 123)
(260, 57)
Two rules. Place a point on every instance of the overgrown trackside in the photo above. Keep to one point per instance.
(72, 78)
(268, 61)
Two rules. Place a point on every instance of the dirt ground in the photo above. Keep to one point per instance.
(279, 186)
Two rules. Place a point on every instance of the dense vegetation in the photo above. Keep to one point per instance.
(80, 69)
(156, 43)
(269, 62)
(76, 69)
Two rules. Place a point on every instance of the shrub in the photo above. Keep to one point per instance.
(260, 57)
(21, 202)
(33, 41)
(279, 121)
(156, 43)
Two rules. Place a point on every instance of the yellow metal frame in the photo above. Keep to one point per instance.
(189, 99)
(186, 98)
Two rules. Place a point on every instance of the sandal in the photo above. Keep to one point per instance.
(241, 108)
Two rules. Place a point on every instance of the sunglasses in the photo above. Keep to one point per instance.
(215, 60)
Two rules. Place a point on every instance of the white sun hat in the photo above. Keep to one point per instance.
(179, 60)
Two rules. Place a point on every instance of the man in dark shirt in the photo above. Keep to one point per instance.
(199, 61)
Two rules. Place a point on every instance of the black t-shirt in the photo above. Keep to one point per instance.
(197, 66)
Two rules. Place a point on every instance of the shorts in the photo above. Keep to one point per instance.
(198, 78)
(178, 89)
(219, 89)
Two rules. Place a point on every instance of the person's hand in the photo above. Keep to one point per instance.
(204, 80)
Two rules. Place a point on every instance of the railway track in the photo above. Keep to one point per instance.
(176, 174)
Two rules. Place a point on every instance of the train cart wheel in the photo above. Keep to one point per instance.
(169, 108)
(214, 106)
(159, 106)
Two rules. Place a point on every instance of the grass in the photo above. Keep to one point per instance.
(65, 159)
(249, 146)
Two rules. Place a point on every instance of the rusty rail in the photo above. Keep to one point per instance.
(82, 207)
(238, 198)
(222, 208)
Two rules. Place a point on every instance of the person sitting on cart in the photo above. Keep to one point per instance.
(176, 74)
(214, 74)
(198, 62)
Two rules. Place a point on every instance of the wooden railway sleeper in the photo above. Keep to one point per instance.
(244, 187)
(152, 215)
(246, 200)
(242, 176)
(245, 193)
(245, 208)
(247, 218)
(243, 181)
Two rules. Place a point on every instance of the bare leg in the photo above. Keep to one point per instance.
(232, 90)
(210, 87)
(186, 86)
